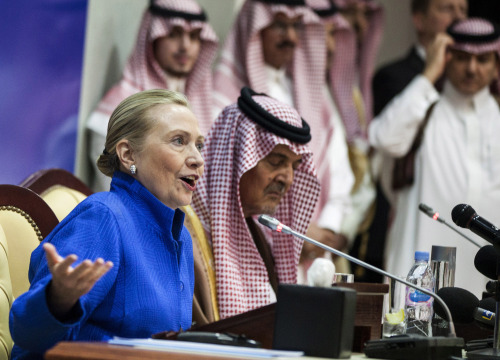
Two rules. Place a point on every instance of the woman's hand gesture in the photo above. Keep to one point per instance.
(68, 283)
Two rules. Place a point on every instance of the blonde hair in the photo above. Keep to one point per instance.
(130, 120)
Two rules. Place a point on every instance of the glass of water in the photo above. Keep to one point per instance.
(394, 322)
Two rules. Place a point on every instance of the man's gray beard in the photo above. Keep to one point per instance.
(269, 210)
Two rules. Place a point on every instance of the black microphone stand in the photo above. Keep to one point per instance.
(491, 353)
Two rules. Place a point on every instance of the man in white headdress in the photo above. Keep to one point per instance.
(458, 160)
(175, 49)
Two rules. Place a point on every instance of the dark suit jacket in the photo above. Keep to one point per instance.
(391, 79)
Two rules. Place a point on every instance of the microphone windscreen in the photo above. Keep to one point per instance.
(491, 286)
(461, 303)
(485, 261)
(488, 303)
(461, 214)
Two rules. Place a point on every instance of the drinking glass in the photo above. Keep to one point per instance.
(394, 322)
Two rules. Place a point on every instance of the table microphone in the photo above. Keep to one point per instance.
(412, 346)
(274, 224)
(435, 215)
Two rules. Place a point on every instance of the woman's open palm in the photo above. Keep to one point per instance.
(70, 283)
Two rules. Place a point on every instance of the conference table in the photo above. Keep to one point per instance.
(256, 324)
(67, 350)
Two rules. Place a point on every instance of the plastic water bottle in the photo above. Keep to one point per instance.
(419, 305)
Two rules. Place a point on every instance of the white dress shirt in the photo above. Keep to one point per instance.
(280, 85)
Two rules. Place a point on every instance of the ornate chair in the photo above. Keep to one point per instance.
(60, 189)
(6, 298)
(25, 220)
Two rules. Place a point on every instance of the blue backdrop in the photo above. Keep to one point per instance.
(41, 59)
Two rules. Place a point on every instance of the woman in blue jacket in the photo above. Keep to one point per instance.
(123, 264)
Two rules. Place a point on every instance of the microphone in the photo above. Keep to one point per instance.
(485, 317)
(466, 308)
(484, 313)
(465, 216)
(461, 302)
(491, 287)
(274, 224)
(486, 261)
(488, 303)
(435, 216)
(430, 212)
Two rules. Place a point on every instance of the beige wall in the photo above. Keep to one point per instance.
(110, 35)
(399, 33)
(112, 29)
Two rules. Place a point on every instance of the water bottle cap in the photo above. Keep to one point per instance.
(422, 255)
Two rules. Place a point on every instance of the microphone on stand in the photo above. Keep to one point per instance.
(435, 215)
(465, 216)
(387, 347)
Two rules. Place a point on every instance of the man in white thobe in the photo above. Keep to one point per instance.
(458, 160)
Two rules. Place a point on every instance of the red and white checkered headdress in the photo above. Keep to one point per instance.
(475, 36)
(342, 77)
(366, 57)
(242, 59)
(234, 145)
(142, 71)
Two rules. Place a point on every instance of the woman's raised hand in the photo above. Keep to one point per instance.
(68, 283)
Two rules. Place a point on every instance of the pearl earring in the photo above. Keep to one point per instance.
(133, 169)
